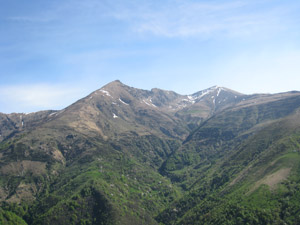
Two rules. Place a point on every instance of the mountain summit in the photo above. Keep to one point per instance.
(123, 155)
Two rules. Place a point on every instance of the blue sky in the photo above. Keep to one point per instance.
(54, 52)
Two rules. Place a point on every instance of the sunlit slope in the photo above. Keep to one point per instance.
(252, 177)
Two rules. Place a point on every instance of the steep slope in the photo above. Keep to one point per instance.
(225, 161)
(11, 124)
(203, 104)
(117, 108)
(217, 135)
(123, 155)
(258, 184)
(98, 143)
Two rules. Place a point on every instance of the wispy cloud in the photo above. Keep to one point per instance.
(33, 97)
(205, 19)
(136, 40)
(172, 18)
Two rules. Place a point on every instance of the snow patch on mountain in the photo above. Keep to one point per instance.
(146, 102)
(123, 101)
(105, 92)
(190, 99)
(52, 114)
(219, 90)
(150, 104)
(203, 93)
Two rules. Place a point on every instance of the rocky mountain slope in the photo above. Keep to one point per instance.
(123, 155)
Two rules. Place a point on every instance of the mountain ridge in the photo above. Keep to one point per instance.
(123, 155)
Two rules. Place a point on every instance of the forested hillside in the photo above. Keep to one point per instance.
(123, 155)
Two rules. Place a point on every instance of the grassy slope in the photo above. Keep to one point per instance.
(132, 193)
(89, 180)
(92, 181)
(256, 183)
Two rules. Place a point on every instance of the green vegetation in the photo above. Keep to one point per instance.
(240, 164)
(12, 214)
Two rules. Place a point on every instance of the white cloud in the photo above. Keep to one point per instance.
(34, 97)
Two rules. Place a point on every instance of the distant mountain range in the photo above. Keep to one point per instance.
(123, 155)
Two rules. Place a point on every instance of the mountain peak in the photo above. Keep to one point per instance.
(113, 87)
(216, 89)
(115, 83)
